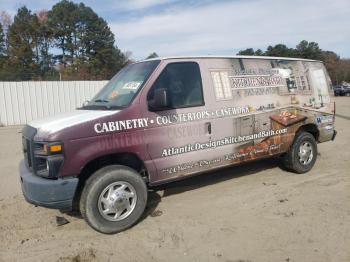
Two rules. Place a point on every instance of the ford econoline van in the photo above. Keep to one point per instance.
(165, 119)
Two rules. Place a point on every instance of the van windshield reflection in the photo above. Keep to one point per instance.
(123, 87)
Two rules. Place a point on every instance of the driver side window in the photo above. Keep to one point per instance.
(183, 84)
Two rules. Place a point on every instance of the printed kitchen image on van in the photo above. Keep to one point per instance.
(215, 103)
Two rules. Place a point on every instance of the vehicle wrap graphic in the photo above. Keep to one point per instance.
(212, 144)
(252, 109)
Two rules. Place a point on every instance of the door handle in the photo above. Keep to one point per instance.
(208, 125)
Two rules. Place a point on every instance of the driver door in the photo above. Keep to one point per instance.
(176, 128)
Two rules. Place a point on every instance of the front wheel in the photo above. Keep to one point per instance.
(113, 199)
(302, 155)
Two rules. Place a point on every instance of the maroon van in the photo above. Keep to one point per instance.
(161, 120)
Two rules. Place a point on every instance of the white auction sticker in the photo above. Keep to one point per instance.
(132, 85)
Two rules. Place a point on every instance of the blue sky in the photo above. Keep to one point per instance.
(221, 27)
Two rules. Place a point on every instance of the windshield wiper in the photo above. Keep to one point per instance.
(103, 105)
(101, 101)
(96, 106)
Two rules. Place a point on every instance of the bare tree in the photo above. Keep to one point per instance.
(5, 20)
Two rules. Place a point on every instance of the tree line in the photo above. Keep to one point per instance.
(338, 69)
(71, 42)
(68, 42)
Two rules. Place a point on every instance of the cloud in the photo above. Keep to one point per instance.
(11, 6)
(224, 28)
(139, 4)
(194, 27)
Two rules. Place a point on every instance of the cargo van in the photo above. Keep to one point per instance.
(166, 119)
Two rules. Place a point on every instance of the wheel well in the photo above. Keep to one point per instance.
(125, 159)
(310, 128)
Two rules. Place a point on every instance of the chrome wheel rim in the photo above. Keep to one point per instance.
(117, 201)
(305, 153)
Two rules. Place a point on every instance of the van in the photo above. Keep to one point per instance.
(166, 119)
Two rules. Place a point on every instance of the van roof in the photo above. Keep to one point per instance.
(230, 57)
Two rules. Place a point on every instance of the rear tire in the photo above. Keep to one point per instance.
(113, 199)
(302, 155)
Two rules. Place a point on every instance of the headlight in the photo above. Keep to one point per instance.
(48, 159)
(48, 148)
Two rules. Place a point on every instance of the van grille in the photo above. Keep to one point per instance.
(27, 152)
(28, 134)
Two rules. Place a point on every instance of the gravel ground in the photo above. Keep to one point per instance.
(253, 212)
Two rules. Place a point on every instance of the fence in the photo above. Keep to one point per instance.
(21, 102)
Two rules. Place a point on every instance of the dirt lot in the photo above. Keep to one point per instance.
(255, 212)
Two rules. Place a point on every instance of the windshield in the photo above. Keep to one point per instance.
(123, 87)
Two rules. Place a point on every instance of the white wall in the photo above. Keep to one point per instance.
(21, 102)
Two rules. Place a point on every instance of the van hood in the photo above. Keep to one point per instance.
(51, 125)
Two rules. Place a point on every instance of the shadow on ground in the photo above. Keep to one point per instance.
(217, 176)
(197, 181)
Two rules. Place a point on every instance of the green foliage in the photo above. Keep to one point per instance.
(280, 50)
(338, 69)
(309, 50)
(248, 51)
(21, 42)
(251, 51)
(152, 55)
(44, 41)
(63, 19)
(86, 41)
(86, 45)
(304, 49)
(259, 52)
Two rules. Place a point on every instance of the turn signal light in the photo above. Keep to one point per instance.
(55, 148)
(52, 148)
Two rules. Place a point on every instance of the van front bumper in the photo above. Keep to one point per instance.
(50, 193)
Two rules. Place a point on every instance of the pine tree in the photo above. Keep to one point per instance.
(62, 19)
(280, 50)
(44, 42)
(248, 51)
(152, 55)
(97, 45)
(22, 41)
(86, 41)
(309, 50)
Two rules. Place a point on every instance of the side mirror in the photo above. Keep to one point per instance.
(160, 100)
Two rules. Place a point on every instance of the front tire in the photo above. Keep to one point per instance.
(302, 155)
(113, 199)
